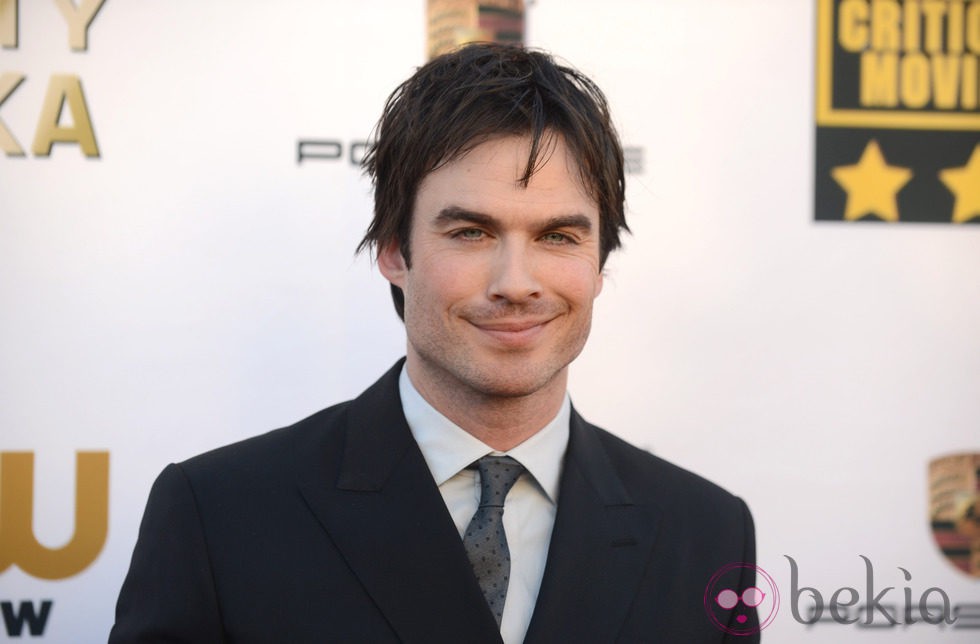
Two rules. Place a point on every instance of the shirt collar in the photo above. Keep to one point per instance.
(448, 448)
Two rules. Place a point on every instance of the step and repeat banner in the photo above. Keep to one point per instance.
(796, 315)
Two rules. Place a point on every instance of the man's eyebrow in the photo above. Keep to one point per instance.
(578, 221)
(452, 214)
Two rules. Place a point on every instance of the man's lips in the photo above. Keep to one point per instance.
(512, 332)
(510, 326)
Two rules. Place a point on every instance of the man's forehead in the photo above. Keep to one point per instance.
(513, 160)
(529, 156)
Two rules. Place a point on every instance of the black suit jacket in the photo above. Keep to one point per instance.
(333, 530)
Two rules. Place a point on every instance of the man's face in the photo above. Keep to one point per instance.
(498, 299)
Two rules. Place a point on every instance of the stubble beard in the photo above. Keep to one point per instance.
(504, 377)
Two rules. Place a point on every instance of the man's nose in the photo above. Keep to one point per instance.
(513, 275)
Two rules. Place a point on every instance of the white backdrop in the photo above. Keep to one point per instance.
(196, 285)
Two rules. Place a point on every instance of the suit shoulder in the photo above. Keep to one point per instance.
(276, 449)
(671, 483)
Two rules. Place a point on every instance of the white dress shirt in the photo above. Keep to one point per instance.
(530, 507)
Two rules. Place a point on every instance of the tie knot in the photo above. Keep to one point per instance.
(497, 475)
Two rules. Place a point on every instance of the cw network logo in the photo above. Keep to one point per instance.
(743, 610)
(19, 546)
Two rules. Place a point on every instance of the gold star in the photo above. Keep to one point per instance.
(964, 183)
(871, 185)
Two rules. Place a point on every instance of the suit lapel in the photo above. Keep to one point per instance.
(599, 548)
(384, 513)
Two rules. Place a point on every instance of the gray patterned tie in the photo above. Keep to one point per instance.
(484, 539)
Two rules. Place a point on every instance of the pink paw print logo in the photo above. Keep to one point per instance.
(738, 605)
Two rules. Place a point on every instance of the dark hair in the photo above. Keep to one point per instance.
(461, 99)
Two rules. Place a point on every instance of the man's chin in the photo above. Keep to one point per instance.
(501, 380)
(492, 373)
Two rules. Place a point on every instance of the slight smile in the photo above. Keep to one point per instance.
(513, 333)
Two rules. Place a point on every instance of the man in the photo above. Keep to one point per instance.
(498, 196)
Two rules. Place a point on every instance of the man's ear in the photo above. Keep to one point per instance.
(391, 263)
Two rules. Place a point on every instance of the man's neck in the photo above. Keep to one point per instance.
(502, 422)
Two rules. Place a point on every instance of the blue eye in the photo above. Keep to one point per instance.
(556, 238)
(470, 233)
